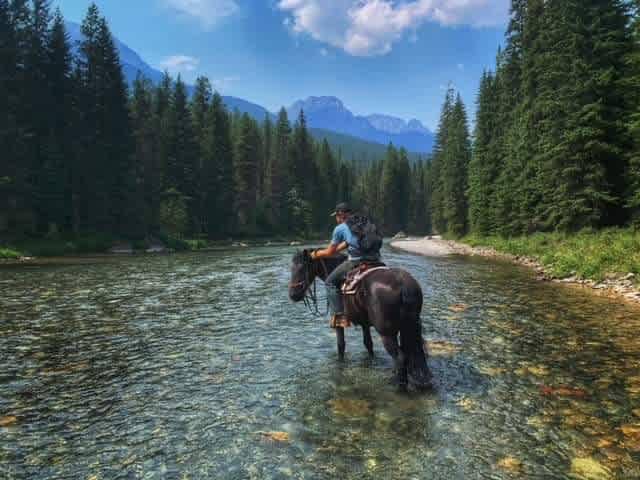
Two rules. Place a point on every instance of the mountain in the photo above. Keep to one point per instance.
(131, 61)
(396, 125)
(329, 113)
(132, 65)
(327, 116)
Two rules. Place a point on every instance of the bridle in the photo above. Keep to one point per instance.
(310, 298)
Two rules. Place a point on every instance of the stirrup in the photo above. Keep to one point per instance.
(340, 321)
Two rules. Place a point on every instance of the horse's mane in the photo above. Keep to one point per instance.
(298, 257)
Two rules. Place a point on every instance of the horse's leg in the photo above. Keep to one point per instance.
(391, 346)
(341, 342)
(368, 342)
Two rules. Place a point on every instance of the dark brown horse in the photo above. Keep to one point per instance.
(389, 300)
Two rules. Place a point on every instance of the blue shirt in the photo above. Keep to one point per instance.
(342, 233)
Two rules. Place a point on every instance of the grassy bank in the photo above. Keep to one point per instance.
(587, 255)
(68, 245)
(54, 247)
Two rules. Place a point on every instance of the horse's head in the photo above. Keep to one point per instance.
(302, 275)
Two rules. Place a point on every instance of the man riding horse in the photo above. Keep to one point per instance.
(387, 299)
(343, 239)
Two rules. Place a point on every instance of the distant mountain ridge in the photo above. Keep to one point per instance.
(322, 113)
(330, 113)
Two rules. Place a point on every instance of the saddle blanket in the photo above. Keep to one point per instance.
(356, 276)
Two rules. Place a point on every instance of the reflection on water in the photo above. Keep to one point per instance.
(198, 366)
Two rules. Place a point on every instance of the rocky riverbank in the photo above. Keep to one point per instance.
(618, 285)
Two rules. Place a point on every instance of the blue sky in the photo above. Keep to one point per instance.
(379, 56)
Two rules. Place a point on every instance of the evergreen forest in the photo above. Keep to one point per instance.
(555, 144)
(85, 153)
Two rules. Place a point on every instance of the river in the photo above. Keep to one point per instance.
(195, 366)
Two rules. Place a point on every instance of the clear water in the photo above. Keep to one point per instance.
(198, 366)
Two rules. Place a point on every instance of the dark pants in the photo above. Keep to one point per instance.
(334, 283)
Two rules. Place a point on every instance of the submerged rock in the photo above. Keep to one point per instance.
(562, 391)
(586, 468)
(349, 407)
(275, 436)
(510, 464)
(458, 307)
(441, 348)
(8, 420)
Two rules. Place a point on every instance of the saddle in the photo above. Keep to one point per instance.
(355, 276)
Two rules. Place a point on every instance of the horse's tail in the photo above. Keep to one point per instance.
(411, 342)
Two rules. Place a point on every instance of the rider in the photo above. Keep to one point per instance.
(343, 238)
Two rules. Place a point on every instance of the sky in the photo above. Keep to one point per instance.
(394, 57)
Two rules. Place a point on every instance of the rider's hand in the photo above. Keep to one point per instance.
(313, 255)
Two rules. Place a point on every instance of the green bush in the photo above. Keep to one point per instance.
(7, 253)
(587, 254)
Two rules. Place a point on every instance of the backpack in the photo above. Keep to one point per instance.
(369, 237)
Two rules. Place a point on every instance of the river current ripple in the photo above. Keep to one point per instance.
(198, 366)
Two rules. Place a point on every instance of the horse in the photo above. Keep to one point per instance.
(390, 300)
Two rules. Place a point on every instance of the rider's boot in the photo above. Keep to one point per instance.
(336, 304)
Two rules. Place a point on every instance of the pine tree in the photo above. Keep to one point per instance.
(8, 121)
(55, 180)
(278, 170)
(483, 167)
(327, 185)
(218, 177)
(394, 190)
(200, 104)
(439, 149)
(162, 117)
(417, 215)
(633, 87)
(264, 187)
(182, 164)
(247, 150)
(148, 175)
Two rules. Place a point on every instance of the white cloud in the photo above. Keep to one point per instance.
(207, 12)
(180, 64)
(371, 27)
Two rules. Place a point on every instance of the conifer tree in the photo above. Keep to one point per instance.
(278, 170)
(438, 193)
(200, 104)
(247, 151)
(9, 104)
(55, 180)
(633, 87)
(183, 154)
(148, 175)
(218, 176)
(483, 167)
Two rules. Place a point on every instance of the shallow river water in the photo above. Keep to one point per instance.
(198, 366)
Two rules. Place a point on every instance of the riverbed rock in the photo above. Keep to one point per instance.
(587, 468)
(350, 407)
(510, 464)
(275, 436)
(156, 248)
(458, 307)
(7, 420)
(441, 348)
(121, 248)
(562, 391)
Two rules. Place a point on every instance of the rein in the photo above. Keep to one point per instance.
(311, 292)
